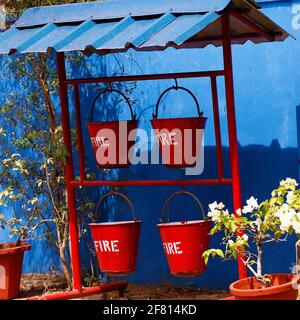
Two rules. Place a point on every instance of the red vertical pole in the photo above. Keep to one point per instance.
(232, 131)
(69, 173)
(79, 133)
(214, 90)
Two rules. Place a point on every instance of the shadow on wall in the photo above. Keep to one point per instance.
(261, 170)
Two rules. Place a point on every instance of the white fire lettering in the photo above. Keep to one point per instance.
(172, 247)
(167, 139)
(100, 142)
(107, 246)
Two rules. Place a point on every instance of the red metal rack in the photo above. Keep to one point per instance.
(71, 183)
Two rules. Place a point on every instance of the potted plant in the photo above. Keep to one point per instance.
(11, 253)
(273, 220)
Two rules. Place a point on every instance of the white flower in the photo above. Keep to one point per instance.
(252, 202)
(286, 220)
(216, 211)
(230, 243)
(245, 237)
(273, 193)
(246, 209)
(282, 210)
(215, 216)
(239, 212)
(251, 205)
(226, 213)
(296, 226)
(258, 223)
(276, 193)
(221, 206)
(289, 197)
(213, 206)
(289, 184)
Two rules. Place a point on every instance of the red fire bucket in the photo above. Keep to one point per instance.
(184, 242)
(116, 243)
(180, 139)
(110, 139)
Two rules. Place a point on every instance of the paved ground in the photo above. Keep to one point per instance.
(139, 292)
(37, 284)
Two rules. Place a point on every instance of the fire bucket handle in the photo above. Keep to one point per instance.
(133, 116)
(121, 195)
(172, 196)
(155, 115)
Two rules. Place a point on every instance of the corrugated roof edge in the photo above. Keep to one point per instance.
(114, 9)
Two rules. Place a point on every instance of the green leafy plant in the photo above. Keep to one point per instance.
(17, 228)
(32, 149)
(270, 221)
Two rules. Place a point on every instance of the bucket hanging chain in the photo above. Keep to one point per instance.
(121, 195)
(133, 116)
(184, 193)
(176, 87)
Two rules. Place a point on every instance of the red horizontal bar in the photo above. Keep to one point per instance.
(96, 183)
(115, 286)
(162, 76)
(229, 298)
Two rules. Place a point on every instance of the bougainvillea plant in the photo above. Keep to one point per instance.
(272, 220)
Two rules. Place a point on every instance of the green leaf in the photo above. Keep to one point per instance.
(220, 253)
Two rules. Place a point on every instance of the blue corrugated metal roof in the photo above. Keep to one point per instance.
(117, 25)
(115, 9)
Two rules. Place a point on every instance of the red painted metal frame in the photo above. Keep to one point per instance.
(71, 183)
(161, 76)
(232, 131)
(69, 173)
(145, 183)
(215, 100)
(116, 286)
(79, 133)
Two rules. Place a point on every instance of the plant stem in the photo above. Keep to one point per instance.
(259, 246)
(259, 258)
(298, 256)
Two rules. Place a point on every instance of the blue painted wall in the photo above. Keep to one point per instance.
(266, 85)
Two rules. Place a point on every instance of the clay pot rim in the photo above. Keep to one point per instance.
(263, 291)
(10, 247)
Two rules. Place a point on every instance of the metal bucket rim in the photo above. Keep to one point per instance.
(93, 123)
(113, 223)
(185, 118)
(182, 223)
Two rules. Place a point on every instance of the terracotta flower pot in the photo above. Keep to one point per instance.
(283, 287)
(11, 261)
